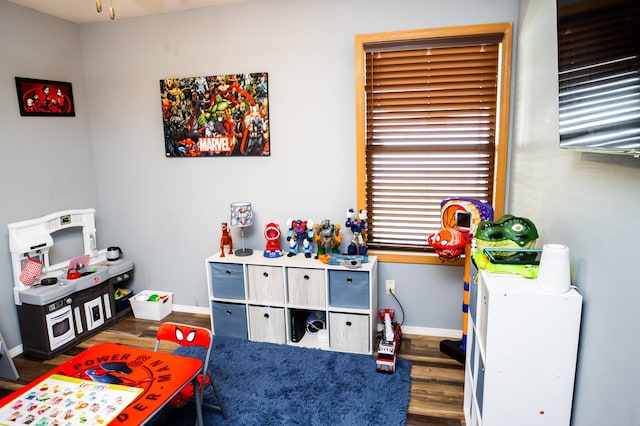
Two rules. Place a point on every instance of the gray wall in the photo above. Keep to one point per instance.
(47, 163)
(589, 202)
(166, 213)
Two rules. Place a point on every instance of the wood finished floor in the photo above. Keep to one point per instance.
(436, 380)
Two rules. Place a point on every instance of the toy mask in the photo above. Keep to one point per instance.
(508, 231)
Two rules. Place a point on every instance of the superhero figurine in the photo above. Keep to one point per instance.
(272, 234)
(300, 231)
(359, 228)
(327, 237)
(226, 240)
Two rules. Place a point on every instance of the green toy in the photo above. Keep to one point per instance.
(527, 271)
(328, 238)
(507, 232)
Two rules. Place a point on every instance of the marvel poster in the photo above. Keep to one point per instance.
(216, 116)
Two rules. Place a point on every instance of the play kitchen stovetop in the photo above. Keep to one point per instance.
(41, 294)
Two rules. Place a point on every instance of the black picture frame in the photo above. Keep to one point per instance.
(45, 97)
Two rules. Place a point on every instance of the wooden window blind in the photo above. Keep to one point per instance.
(430, 132)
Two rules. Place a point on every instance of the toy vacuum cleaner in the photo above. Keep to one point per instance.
(390, 343)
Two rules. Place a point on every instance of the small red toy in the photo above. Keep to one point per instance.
(449, 243)
(272, 234)
(390, 343)
(226, 239)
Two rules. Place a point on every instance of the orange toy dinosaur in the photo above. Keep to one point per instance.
(226, 240)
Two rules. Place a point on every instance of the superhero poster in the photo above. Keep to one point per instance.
(216, 116)
(44, 97)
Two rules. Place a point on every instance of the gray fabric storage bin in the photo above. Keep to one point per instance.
(230, 319)
(349, 289)
(227, 280)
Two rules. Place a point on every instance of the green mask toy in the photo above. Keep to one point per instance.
(507, 232)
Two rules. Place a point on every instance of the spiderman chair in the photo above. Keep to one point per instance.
(189, 335)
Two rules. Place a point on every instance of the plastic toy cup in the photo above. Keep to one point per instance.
(554, 273)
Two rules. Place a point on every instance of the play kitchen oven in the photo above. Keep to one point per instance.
(72, 300)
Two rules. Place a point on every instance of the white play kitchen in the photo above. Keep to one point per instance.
(63, 284)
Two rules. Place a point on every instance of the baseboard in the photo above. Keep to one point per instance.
(192, 309)
(15, 351)
(421, 331)
(428, 331)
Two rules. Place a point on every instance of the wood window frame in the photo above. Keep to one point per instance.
(502, 119)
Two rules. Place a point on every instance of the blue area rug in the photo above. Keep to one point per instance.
(267, 384)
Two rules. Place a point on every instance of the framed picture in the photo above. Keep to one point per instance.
(44, 97)
(216, 116)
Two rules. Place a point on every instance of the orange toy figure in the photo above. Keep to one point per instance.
(226, 240)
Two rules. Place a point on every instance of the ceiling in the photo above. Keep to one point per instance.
(84, 11)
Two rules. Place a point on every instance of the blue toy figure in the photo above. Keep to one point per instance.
(300, 231)
(358, 227)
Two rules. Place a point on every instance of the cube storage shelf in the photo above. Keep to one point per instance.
(522, 345)
(270, 299)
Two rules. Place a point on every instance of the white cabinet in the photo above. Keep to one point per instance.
(522, 345)
(271, 299)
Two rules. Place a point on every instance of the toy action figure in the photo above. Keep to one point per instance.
(327, 237)
(226, 240)
(300, 231)
(272, 234)
(359, 228)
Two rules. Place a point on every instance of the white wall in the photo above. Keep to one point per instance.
(590, 203)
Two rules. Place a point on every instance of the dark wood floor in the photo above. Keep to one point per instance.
(436, 386)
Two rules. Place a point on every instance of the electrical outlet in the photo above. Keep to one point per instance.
(390, 286)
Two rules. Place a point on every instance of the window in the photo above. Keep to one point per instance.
(432, 123)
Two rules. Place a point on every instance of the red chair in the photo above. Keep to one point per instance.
(189, 335)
